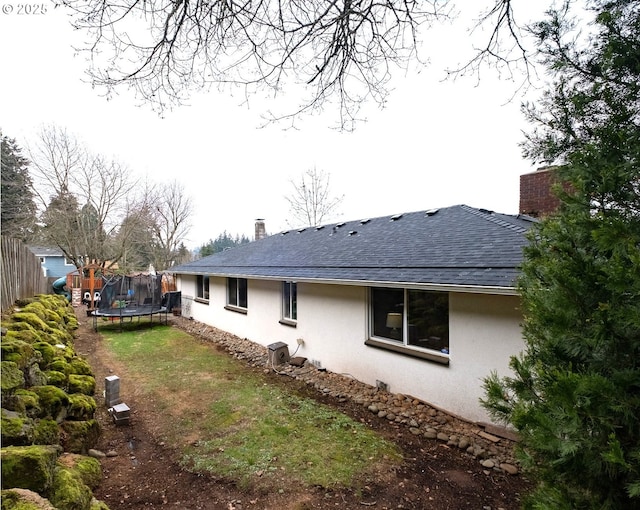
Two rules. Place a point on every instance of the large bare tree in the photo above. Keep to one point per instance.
(82, 196)
(312, 201)
(335, 51)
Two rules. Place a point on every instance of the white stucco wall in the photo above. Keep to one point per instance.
(332, 321)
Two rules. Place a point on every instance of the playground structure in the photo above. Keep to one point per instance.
(136, 295)
(81, 286)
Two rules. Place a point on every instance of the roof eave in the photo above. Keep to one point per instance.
(444, 287)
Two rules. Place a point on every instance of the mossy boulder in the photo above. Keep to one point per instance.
(46, 432)
(20, 352)
(34, 376)
(53, 401)
(68, 491)
(80, 366)
(23, 499)
(29, 467)
(81, 407)
(47, 351)
(28, 402)
(79, 436)
(85, 384)
(56, 378)
(17, 429)
(38, 308)
(12, 377)
(25, 332)
(87, 468)
(60, 365)
(33, 320)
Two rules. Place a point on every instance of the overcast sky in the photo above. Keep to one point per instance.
(436, 144)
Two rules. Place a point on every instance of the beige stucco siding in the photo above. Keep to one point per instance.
(332, 321)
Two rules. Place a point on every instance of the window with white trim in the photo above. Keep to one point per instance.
(237, 292)
(202, 287)
(289, 301)
(411, 320)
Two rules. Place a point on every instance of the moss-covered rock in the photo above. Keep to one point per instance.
(60, 364)
(87, 468)
(53, 401)
(26, 401)
(79, 436)
(17, 429)
(18, 351)
(38, 308)
(68, 491)
(46, 432)
(98, 505)
(85, 384)
(47, 351)
(33, 320)
(59, 336)
(56, 378)
(80, 366)
(81, 407)
(29, 467)
(23, 499)
(33, 375)
(25, 332)
(12, 376)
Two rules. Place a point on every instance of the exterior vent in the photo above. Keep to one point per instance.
(396, 217)
(353, 232)
(431, 212)
(319, 227)
(340, 224)
(364, 222)
(300, 230)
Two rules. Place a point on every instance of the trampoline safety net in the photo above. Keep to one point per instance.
(142, 292)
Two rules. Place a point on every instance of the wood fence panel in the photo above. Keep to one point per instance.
(20, 273)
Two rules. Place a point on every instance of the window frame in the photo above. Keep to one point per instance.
(289, 303)
(402, 345)
(202, 288)
(240, 291)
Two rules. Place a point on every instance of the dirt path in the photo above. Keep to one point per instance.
(142, 472)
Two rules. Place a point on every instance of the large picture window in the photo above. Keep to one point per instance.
(202, 287)
(289, 301)
(411, 318)
(237, 292)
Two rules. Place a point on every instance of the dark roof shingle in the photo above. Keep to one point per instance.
(457, 245)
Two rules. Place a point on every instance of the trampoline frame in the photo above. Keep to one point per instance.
(130, 311)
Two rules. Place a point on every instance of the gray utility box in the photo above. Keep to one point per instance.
(120, 413)
(278, 353)
(111, 390)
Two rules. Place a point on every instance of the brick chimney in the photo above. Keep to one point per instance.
(536, 195)
(261, 231)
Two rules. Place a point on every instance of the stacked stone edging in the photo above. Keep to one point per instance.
(492, 451)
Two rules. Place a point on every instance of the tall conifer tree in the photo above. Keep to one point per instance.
(574, 397)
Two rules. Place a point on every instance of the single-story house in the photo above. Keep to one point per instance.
(422, 303)
(53, 261)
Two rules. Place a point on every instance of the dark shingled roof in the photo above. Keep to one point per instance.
(459, 246)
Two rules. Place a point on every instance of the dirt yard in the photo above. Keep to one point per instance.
(141, 472)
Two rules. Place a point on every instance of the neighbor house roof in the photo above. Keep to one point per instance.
(45, 251)
(457, 246)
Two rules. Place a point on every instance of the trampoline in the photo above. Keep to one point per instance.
(126, 297)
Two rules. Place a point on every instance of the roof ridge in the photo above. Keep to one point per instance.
(489, 216)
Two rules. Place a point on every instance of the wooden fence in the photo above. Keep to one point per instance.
(20, 273)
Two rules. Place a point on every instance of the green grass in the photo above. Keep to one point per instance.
(229, 421)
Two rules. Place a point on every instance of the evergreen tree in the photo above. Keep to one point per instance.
(18, 205)
(223, 242)
(574, 396)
